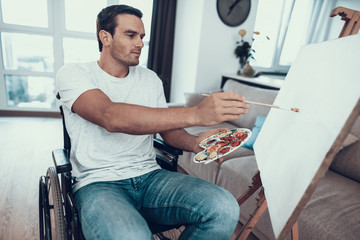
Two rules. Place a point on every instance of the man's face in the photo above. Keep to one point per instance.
(127, 41)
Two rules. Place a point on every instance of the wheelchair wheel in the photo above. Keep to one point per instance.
(44, 210)
(51, 208)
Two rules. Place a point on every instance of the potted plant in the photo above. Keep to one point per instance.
(244, 52)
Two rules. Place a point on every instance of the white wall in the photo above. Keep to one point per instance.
(204, 47)
(216, 52)
(186, 45)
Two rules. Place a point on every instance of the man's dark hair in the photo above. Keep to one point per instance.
(106, 19)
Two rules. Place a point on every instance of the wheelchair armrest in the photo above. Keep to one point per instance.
(162, 146)
(61, 160)
(166, 155)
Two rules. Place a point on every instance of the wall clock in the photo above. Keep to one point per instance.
(233, 12)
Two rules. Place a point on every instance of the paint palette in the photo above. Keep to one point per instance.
(221, 144)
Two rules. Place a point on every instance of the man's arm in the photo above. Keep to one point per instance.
(96, 107)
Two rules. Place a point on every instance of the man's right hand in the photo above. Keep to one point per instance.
(220, 107)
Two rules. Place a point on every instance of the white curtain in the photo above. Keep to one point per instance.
(320, 20)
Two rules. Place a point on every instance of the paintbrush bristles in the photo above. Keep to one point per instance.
(263, 104)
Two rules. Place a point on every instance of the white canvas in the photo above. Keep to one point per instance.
(324, 83)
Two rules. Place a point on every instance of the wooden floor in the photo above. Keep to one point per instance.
(25, 154)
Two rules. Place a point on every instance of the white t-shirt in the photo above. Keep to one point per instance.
(96, 154)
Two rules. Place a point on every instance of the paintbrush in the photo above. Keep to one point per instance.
(264, 104)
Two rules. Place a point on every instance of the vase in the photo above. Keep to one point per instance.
(246, 70)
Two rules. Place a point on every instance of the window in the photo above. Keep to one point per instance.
(286, 25)
(40, 36)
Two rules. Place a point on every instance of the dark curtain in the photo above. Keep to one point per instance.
(162, 41)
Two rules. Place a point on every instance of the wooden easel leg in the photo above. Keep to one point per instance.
(260, 209)
(295, 231)
(255, 185)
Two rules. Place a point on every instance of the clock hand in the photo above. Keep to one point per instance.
(232, 6)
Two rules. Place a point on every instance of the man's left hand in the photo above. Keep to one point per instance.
(204, 135)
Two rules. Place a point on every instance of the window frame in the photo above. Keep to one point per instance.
(57, 30)
(276, 67)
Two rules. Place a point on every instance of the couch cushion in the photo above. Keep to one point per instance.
(349, 139)
(347, 161)
(240, 152)
(252, 94)
(197, 130)
(193, 99)
(333, 211)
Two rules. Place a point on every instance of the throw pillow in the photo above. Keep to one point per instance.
(259, 122)
(254, 94)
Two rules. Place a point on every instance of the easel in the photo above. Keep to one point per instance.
(261, 206)
(351, 26)
(351, 18)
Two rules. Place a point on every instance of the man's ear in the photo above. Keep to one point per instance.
(105, 38)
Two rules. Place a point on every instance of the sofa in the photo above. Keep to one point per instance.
(333, 211)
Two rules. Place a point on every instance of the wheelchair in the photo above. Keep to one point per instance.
(58, 217)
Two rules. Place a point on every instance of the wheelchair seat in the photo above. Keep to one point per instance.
(58, 217)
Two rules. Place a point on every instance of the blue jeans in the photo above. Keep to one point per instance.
(121, 209)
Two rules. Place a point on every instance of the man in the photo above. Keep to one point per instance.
(112, 109)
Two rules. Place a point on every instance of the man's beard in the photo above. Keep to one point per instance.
(128, 62)
(132, 63)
